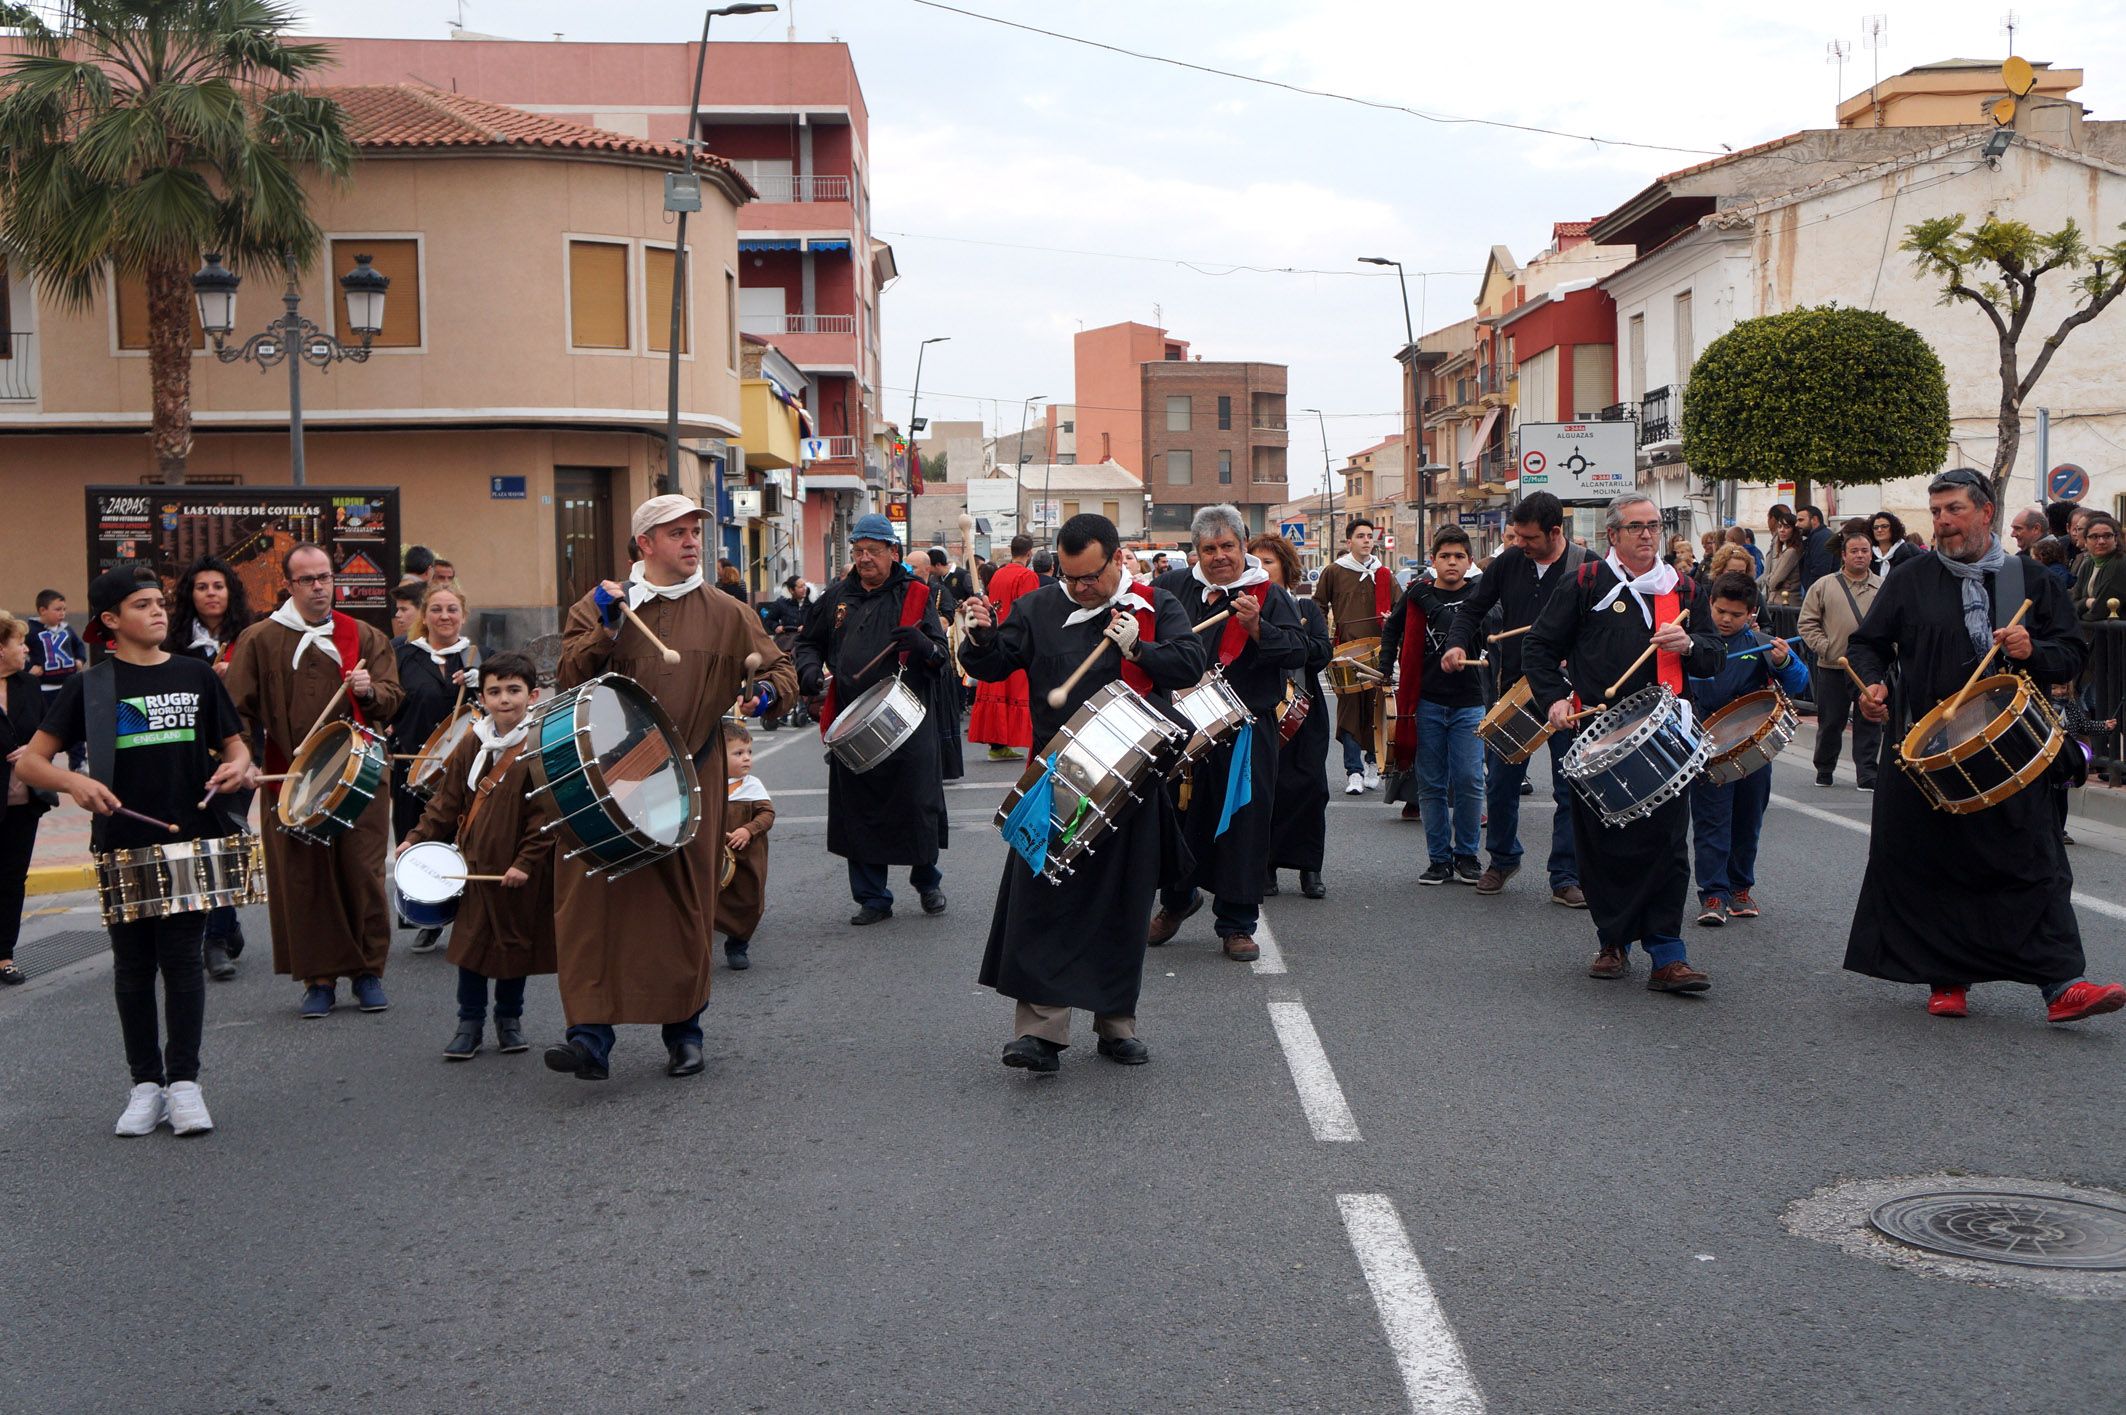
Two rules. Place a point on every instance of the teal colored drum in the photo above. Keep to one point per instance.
(335, 775)
(620, 780)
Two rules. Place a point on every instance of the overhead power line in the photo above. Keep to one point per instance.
(1445, 118)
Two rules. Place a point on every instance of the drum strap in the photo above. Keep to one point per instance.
(347, 638)
(99, 721)
(1670, 665)
(1234, 641)
(913, 603)
(1383, 593)
(1147, 632)
(488, 784)
(2007, 590)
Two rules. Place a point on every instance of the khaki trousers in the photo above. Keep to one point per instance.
(1052, 1024)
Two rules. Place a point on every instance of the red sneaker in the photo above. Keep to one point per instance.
(2085, 999)
(1947, 1002)
(1742, 906)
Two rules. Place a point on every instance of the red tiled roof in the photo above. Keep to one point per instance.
(1570, 228)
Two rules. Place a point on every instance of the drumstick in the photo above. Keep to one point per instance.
(1057, 696)
(132, 815)
(1494, 638)
(476, 879)
(211, 788)
(875, 660)
(1199, 628)
(1984, 663)
(1760, 648)
(664, 650)
(1640, 661)
(753, 662)
(284, 776)
(1858, 681)
(330, 707)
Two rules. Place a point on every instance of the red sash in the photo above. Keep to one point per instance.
(1410, 658)
(1147, 632)
(1669, 665)
(347, 638)
(1234, 641)
(1383, 594)
(913, 602)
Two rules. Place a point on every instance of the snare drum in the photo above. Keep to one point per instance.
(1636, 757)
(1292, 712)
(1113, 749)
(1513, 728)
(182, 877)
(2001, 739)
(621, 781)
(1351, 667)
(1213, 713)
(876, 725)
(335, 775)
(1744, 736)
(428, 880)
(425, 776)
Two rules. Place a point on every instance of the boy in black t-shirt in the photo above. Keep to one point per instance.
(1450, 756)
(170, 713)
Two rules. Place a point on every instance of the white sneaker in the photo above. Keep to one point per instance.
(148, 1107)
(188, 1109)
(1372, 776)
(1356, 786)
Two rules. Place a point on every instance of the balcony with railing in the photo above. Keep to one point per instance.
(794, 188)
(18, 369)
(1660, 417)
(1267, 422)
(770, 324)
(814, 342)
(1616, 413)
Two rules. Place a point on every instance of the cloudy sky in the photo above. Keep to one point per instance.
(1032, 186)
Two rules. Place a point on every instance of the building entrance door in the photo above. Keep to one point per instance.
(583, 532)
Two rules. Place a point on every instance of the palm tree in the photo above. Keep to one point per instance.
(145, 132)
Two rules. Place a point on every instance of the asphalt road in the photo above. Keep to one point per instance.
(1430, 1165)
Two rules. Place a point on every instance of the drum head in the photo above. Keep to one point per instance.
(1968, 721)
(1622, 721)
(441, 743)
(857, 715)
(1740, 721)
(426, 872)
(641, 766)
(320, 772)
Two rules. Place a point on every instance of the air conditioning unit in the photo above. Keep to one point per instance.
(771, 495)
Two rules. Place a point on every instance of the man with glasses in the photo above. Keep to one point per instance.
(876, 622)
(1079, 942)
(326, 902)
(1636, 874)
(1950, 900)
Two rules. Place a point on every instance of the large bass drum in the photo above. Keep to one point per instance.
(622, 785)
(2000, 739)
(876, 725)
(1636, 757)
(182, 877)
(1115, 747)
(336, 773)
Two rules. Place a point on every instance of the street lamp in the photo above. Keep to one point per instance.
(1328, 488)
(673, 202)
(291, 339)
(915, 424)
(1025, 412)
(1410, 438)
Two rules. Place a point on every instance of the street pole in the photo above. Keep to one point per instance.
(2044, 451)
(1328, 489)
(1411, 461)
(292, 332)
(915, 396)
(1018, 451)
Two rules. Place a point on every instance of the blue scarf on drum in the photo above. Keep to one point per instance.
(1978, 612)
(1239, 778)
(1031, 821)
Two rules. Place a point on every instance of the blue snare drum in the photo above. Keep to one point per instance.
(620, 780)
(1636, 757)
(427, 881)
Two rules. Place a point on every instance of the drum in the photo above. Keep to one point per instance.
(1513, 728)
(875, 726)
(1744, 736)
(2001, 739)
(426, 882)
(621, 781)
(1636, 757)
(1213, 712)
(335, 775)
(1351, 667)
(182, 877)
(1115, 747)
(425, 775)
(1292, 712)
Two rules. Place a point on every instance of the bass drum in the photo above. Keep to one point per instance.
(1115, 747)
(336, 773)
(622, 783)
(2001, 738)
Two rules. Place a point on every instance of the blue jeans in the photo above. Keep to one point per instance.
(597, 1037)
(1504, 805)
(1354, 755)
(1231, 917)
(1450, 777)
(1660, 948)
(1725, 822)
(870, 885)
(472, 997)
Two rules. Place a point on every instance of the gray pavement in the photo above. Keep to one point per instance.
(859, 1209)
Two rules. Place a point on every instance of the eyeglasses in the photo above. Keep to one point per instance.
(1640, 528)
(311, 582)
(1083, 581)
(2100, 535)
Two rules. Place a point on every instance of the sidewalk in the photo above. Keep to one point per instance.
(60, 863)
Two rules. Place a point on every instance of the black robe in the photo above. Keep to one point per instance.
(1299, 825)
(1955, 899)
(1637, 874)
(1236, 865)
(1080, 942)
(893, 814)
(430, 698)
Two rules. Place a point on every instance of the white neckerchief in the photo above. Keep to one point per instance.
(492, 745)
(288, 617)
(1253, 575)
(1114, 601)
(1657, 581)
(745, 789)
(436, 655)
(641, 591)
(1372, 563)
(203, 638)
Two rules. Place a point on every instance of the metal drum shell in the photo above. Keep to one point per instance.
(1650, 765)
(871, 729)
(427, 913)
(1514, 721)
(1207, 729)
(1115, 714)
(186, 876)
(564, 765)
(2027, 725)
(1756, 751)
(368, 765)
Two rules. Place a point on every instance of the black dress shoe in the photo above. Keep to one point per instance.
(933, 901)
(234, 945)
(466, 1044)
(1311, 886)
(509, 1035)
(737, 955)
(219, 965)
(574, 1059)
(869, 915)
(1269, 886)
(1126, 1050)
(1033, 1054)
(686, 1060)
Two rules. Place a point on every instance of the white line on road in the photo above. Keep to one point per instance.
(1435, 1373)
(1328, 1115)
(1271, 959)
(2081, 901)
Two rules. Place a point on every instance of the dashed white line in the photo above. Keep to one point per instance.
(1328, 1114)
(1436, 1375)
(1271, 958)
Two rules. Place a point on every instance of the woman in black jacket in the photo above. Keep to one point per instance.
(21, 710)
(209, 608)
(1891, 547)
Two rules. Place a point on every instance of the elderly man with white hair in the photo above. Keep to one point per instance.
(1226, 820)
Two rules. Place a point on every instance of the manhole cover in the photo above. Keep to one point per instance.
(2028, 1230)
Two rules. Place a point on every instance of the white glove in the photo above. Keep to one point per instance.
(1123, 630)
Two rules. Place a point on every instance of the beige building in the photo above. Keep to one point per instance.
(525, 335)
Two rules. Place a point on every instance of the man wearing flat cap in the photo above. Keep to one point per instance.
(876, 623)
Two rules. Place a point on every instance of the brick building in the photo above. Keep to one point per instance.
(1212, 432)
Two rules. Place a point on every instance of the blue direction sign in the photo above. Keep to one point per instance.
(2067, 482)
(1293, 531)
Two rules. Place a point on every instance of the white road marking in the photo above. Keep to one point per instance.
(2081, 901)
(761, 753)
(1000, 787)
(1328, 1115)
(1272, 957)
(1436, 1375)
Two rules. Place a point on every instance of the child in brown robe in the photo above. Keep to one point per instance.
(747, 815)
(504, 929)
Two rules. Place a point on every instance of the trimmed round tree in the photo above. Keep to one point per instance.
(1818, 394)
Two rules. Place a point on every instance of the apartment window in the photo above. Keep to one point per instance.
(1060, 427)
(1177, 413)
(1267, 466)
(597, 295)
(1686, 348)
(1225, 412)
(1070, 509)
(1225, 466)
(1635, 356)
(7, 317)
(132, 299)
(730, 317)
(399, 260)
(657, 303)
(1180, 468)
(1112, 510)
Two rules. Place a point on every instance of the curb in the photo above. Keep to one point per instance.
(2101, 805)
(61, 879)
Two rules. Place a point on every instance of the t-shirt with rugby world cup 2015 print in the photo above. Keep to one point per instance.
(171, 717)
